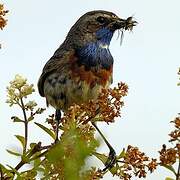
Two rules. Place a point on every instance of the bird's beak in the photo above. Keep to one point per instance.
(126, 24)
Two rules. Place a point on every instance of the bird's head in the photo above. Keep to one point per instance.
(97, 26)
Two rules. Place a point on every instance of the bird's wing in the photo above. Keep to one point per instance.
(56, 63)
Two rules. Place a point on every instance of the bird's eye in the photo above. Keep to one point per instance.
(101, 19)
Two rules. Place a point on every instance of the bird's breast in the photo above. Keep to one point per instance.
(81, 78)
(93, 76)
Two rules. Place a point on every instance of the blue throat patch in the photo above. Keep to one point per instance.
(104, 35)
(97, 53)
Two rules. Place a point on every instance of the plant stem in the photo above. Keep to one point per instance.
(19, 165)
(178, 172)
(25, 126)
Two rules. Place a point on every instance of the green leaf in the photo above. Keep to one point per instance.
(37, 162)
(40, 169)
(25, 158)
(168, 178)
(114, 170)
(8, 172)
(13, 169)
(13, 153)
(122, 154)
(30, 118)
(170, 168)
(2, 167)
(21, 139)
(51, 133)
(32, 145)
(16, 119)
(40, 110)
(103, 158)
(5, 170)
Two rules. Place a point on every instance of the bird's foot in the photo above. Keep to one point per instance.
(111, 160)
(56, 140)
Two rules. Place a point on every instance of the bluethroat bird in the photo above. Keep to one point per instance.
(82, 65)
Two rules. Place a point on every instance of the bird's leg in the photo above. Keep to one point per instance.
(57, 119)
(112, 154)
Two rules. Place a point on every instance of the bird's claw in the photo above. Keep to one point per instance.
(56, 140)
(111, 160)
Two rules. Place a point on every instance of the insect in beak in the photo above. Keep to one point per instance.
(125, 24)
(129, 23)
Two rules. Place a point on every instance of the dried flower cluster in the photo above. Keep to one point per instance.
(51, 120)
(167, 156)
(3, 21)
(175, 135)
(92, 174)
(170, 156)
(3, 12)
(138, 162)
(105, 108)
(133, 162)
